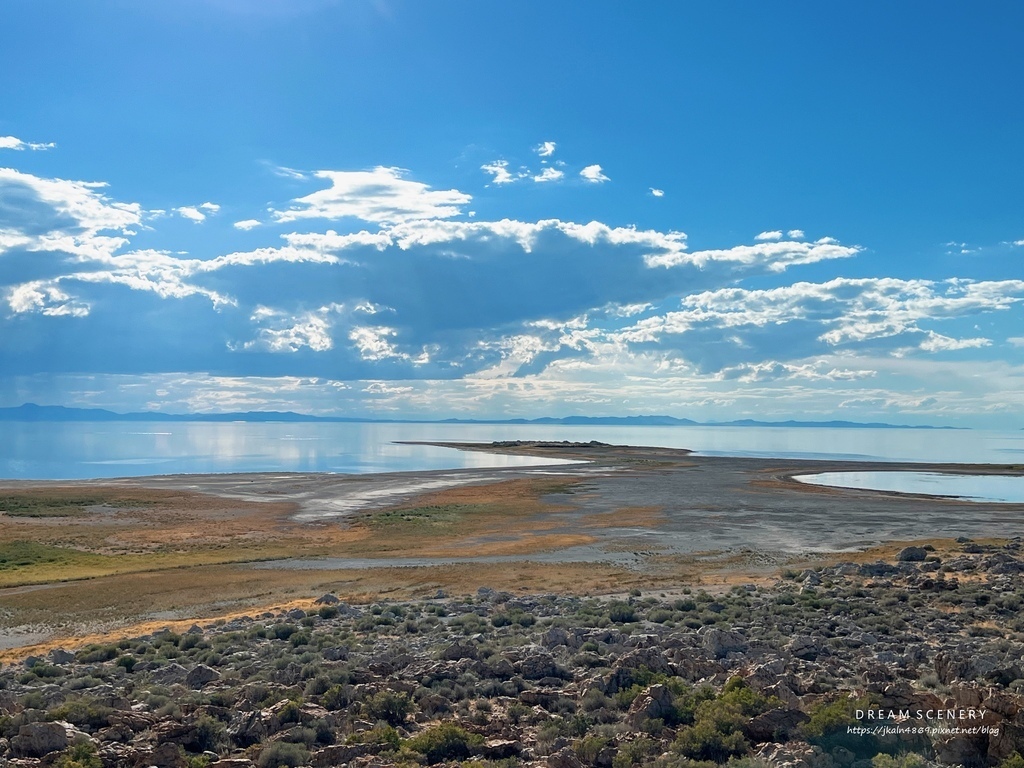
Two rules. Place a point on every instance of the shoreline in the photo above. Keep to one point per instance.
(630, 515)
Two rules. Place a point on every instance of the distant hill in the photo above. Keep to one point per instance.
(33, 412)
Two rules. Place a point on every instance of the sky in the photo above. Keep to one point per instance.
(398, 209)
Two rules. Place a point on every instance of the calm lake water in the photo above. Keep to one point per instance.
(969, 487)
(73, 450)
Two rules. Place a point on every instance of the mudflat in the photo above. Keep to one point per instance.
(88, 558)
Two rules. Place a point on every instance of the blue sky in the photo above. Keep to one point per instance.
(391, 209)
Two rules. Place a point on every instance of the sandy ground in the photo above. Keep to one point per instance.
(629, 517)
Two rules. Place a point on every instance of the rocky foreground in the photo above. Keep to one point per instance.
(782, 676)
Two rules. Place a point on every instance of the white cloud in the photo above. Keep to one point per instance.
(773, 370)
(657, 192)
(842, 312)
(1018, 242)
(593, 174)
(197, 213)
(1017, 341)
(795, 234)
(381, 196)
(46, 298)
(191, 213)
(774, 234)
(290, 333)
(545, 148)
(374, 343)
(936, 342)
(499, 170)
(776, 256)
(247, 224)
(549, 174)
(12, 142)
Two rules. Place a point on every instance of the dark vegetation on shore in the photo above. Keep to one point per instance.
(754, 676)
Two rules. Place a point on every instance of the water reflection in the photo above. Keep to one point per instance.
(989, 488)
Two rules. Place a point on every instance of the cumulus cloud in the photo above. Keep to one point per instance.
(12, 142)
(545, 148)
(374, 342)
(499, 172)
(777, 256)
(775, 234)
(549, 174)
(657, 192)
(773, 370)
(727, 327)
(191, 213)
(593, 174)
(381, 195)
(281, 332)
(544, 312)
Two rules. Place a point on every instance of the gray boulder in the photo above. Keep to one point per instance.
(39, 739)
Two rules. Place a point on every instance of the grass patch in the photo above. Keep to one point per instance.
(432, 516)
(35, 505)
(25, 554)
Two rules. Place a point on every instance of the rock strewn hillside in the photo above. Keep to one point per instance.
(753, 676)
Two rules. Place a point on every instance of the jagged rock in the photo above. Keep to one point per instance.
(327, 599)
(774, 725)
(912, 555)
(878, 569)
(200, 676)
(338, 754)
(960, 750)
(459, 650)
(247, 728)
(654, 703)
(721, 643)
(39, 739)
(794, 754)
(172, 673)
(166, 755)
(554, 637)
(651, 658)
(296, 613)
(805, 647)
(784, 693)
(538, 664)
(499, 749)
(60, 656)
(564, 758)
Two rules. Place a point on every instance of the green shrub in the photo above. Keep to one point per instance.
(908, 760)
(210, 733)
(82, 712)
(589, 747)
(444, 742)
(79, 756)
(1013, 761)
(828, 723)
(283, 753)
(634, 753)
(389, 706)
(621, 612)
(385, 735)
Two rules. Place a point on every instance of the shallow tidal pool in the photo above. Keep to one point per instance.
(982, 488)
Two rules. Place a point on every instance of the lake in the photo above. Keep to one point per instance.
(75, 450)
(982, 488)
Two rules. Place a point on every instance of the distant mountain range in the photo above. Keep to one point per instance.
(33, 412)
